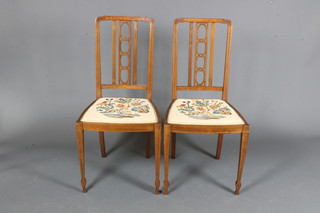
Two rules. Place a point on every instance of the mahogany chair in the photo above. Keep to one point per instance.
(202, 116)
(122, 114)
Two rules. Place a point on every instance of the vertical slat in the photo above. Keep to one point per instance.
(119, 52)
(227, 63)
(174, 61)
(129, 53)
(206, 55)
(195, 61)
(98, 61)
(114, 51)
(135, 52)
(150, 60)
(211, 53)
(190, 53)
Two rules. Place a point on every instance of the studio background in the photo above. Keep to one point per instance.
(47, 66)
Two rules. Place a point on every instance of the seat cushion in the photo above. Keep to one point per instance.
(121, 110)
(203, 112)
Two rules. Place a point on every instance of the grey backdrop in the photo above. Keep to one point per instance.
(47, 78)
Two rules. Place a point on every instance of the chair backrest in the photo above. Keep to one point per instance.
(124, 46)
(201, 55)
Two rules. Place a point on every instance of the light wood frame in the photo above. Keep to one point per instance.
(131, 83)
(170, 130)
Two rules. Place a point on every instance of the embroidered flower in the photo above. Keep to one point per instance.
(204, 109)
(122, 107)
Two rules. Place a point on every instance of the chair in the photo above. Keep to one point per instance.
(202, 116)
(122, 114)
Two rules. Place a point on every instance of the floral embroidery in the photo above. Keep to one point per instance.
(204, 109)
(122, 107)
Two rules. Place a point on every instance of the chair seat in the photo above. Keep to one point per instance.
(203, 112)
(121, 110)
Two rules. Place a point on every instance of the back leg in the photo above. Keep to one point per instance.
(173, 145)
(102, 145)
(219, 146)
(148, 135)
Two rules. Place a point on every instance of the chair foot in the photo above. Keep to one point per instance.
(157, 186)
(103, 154)
(83, 184)
(238, 186)
(166, 186)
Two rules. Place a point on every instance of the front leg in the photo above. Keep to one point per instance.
(242, 157)
(167, 133)
(157, 153)
(81, 155)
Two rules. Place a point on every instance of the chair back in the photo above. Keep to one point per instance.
(201, 53)
(124, 48)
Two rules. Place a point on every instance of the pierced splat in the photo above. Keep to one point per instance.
(199, 57)
(124, 58)
(124, 50)
(200, 54)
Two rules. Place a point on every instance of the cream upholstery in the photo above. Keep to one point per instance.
(203, 112)
(121, 110)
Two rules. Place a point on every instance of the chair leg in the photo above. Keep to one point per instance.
(242, 156)
(219, 146)
(148, 135)
(157, 153)
(173, 145)
(102, 145)
(167, 133)
(81, 155)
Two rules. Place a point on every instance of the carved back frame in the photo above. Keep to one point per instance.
(201, 55)
(122, 42)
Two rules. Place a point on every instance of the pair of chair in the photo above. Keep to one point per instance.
(122, 114)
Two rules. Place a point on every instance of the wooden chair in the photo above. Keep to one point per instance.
(202, 116)
(121, 114)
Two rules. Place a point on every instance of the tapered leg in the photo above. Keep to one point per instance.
(81, 155)
(167, 133)
(219, 146)
(157, 153)
(148, 135)
(242, 156)
(102, 145)
(173, 145)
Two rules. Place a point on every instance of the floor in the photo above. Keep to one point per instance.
(281, 175)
